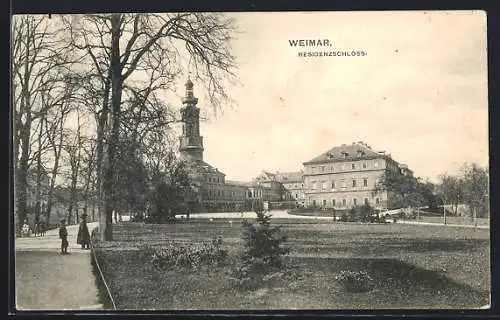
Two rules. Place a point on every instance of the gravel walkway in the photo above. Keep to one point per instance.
(47, 280)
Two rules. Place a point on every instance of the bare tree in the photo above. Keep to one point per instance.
(125, 48)
(37, 56)
(73, 148)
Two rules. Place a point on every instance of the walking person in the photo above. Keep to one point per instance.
(63, 235)
(83, 237)
(42, 227)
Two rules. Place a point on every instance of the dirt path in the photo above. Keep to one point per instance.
(45, 279)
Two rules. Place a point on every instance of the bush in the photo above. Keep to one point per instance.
(262, 258)
(362, 213)
(355, 281)
(193, 256)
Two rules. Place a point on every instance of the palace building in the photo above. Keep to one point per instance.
(342, 177)
(347, 176)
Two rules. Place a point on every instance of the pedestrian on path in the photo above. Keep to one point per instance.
(63, 235)
(83, 237)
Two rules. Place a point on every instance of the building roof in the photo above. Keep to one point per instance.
(267, 176)
(288, 177)
(206, 167)
(346, 152)
(239, 183)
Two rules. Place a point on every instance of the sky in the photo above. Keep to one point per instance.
(419, 93)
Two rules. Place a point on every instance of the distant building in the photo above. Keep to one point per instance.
(341, 178)
(293, 185)
(346, 176)
(211, 192)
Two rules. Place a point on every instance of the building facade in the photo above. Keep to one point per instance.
(211, 191)
(347, 176)
(341, 178)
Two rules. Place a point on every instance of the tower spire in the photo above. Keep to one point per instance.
(189, 97)
(191, 143)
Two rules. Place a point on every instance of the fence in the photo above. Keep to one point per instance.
(102, 284)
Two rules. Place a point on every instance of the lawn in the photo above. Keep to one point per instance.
(412, 266)
(455, 220)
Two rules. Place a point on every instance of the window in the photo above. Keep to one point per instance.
(324, 203)
(375, 164)
(333, 202)
(366, 201)
(377, 201)
(364, 165)
(342, 182)
(344, 202)
(324, 185)
(355, 201)
(365, 182)
(314, 185)
(353, 166)
(295, 186)
(353, 183)
(314, 203)
(296, 196)
(333, 184)
(322, 168)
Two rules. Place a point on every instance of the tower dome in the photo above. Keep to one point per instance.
(189, 97)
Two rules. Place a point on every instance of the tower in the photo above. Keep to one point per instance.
(191, 143)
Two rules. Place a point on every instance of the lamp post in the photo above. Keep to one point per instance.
(444, 212)
(475, 218)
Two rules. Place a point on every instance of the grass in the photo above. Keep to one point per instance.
(413, 266)
(455, 220)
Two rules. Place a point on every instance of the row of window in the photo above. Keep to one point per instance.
(343, 202)
(343, 167)
(294, 186)
(215, 179)
(343, 184)
(223, 193)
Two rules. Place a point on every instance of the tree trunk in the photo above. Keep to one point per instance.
(57, 154)
(112, 142)
(38, 195)
(70, 210)
(25, 131)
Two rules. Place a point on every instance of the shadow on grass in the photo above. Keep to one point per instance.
(397, 285)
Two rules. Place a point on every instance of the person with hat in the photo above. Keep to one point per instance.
(63, 235)
(83, 237)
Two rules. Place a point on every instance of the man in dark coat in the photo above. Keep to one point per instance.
(83, 237)
(63, 235)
